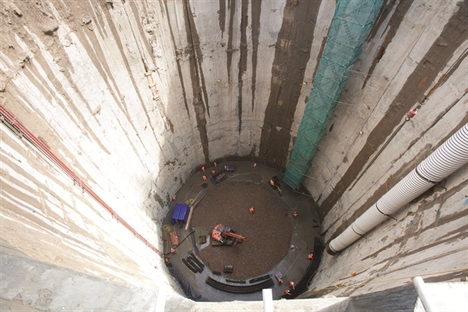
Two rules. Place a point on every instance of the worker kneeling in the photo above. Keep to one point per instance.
(274, 182)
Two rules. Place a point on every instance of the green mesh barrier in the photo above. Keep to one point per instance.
(351, 24)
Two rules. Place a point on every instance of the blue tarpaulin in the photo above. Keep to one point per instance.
(180, 214)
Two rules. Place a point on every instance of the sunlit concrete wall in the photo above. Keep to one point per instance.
(134, 96)
(416, 54)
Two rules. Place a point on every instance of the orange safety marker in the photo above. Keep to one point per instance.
(204, 178)
(291, 284)
(287, 292)
(310, 256)
(411, 113)
(251, 210)
(294, 214)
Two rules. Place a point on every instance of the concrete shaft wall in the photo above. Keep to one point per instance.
(136, 95)
(415, 55)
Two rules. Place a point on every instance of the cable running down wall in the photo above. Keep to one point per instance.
(351, 24)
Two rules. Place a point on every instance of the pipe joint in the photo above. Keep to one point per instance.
(422, 177)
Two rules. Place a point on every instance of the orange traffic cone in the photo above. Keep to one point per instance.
(251, 210)
(295, 214)
(310, 256)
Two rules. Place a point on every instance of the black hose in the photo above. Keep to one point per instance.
(166, 254)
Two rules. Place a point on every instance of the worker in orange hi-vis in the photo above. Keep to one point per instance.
(203, 168)
(295, 214)
(411, 114)
(291, 284)
(213, 172)
(310, 256)
(251, 210)
(204, 178)
(287, 292)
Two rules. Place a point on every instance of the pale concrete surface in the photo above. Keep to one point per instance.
(298, 305)
(15, 305)
(74, 74)
(445, 297)
(41, 286)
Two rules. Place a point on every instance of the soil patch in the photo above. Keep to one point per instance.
(268, 230)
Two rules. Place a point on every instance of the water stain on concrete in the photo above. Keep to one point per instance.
(230, 50)
(222, 16)
(454, 34)
(401, 9)
(256, 9)
(200, 96)
(243, 58)
(179, 68)
(292, 54)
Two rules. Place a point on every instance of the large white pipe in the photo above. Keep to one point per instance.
(448, 158)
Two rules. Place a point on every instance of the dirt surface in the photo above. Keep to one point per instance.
(268, 230)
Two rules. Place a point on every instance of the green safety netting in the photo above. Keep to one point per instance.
(351, 24)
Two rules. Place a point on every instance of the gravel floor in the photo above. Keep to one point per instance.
(268, 230)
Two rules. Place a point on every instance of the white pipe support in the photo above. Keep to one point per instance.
(161, 300)
(421, 289)
(267, 300)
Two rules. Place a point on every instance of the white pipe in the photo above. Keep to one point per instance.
(267, 300)
(448, 158)
(161, 300)
(421, 289)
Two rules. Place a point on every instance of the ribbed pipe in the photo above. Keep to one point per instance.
(448, 158)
